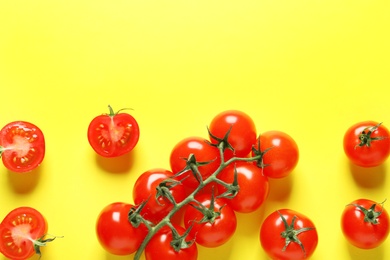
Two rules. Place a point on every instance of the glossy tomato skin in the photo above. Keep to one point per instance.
(16, 240)
(22, 146)
(115, 233)
(203, 152)
(242, 134)
(281, 153)
(159, 247)
(114, 134)
(367, 156)
(253, 186)
(361, 233)
(215, 233)
(145, 190)
(273, 243)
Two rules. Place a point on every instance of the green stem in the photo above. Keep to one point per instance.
(190, 198)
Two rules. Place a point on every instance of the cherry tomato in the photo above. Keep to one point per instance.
(242, 133)
(160, 247)
(20, 229)
(203, 152)
(114, 231)
(253, 186)
(22, 146)
(113, 134)
(146, 189)
(280, 153)
(365, 223)
(367, 144)
(213, 224)
(288, 235)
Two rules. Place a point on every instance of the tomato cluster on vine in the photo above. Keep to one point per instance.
(195, 201)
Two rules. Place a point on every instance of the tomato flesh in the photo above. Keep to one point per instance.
(19, 229)
(113, 135)
(22, 146)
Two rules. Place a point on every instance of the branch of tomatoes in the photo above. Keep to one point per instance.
(135, 215)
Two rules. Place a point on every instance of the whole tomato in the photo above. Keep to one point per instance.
(165, 245)
(288, 235)
(113, 134)
(22, 146)
(204, 153)
(241, 131)
(147, 188)
(279, 151)
(365, 223)
(114, 231)
(253, 186)
(213, 221)
(367, 144)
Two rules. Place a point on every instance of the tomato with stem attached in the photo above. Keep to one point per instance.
(279, 153)
(22, 233)
(365, 223)
(246, 185)
(205, 154)
(213, 221)
(367, 143)
(171, 244)
(113, 134)
(288, 235)
(160, 191)
(22, 146)
(115, 232)
(237, 129)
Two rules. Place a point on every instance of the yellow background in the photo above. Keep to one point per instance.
(309, 68)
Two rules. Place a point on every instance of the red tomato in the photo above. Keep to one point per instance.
(365, 223)
(160, 248)
(367, 144)
(242, 132)
(113, 134)
(203, 152)
(280, 153)
(288, 235)
(22, 146)
(114, 231)
(19, 230)
(212, 226)
(253, 186)
(145, 189)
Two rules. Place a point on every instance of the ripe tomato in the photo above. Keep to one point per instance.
(22, 146)
(253, 186)
(365, 223)
(212, 225)
(203, 152)
(113, 134)
(160, 247)
(20, 230)
(242, 133)
(288, 235)
(145, 189)
(280, 153)
(114, 231)
(367, 144)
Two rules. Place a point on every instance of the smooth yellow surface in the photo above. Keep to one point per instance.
(309, 68)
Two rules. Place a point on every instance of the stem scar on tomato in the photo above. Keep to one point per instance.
(365, 136)
(291, 235)
(370, 215)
